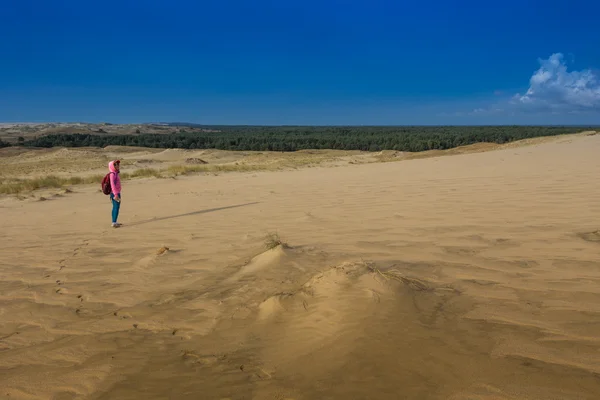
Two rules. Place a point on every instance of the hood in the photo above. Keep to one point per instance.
(111, 166)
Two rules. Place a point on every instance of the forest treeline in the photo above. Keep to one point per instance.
(284, 138)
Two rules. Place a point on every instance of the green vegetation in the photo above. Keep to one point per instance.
(4, 144)
(292, 138)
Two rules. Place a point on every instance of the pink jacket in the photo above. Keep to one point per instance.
(115, 181)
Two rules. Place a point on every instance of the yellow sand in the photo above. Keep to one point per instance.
(475, 276)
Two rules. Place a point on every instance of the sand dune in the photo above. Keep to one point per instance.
(475, 276)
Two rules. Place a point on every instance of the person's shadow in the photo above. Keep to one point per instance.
(189, 214)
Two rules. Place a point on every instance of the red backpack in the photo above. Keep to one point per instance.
(106, 188)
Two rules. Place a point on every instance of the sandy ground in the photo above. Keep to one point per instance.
(475, 276)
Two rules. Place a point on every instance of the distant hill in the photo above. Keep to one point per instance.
(10, 133)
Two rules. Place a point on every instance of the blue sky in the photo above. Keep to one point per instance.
(300, 62)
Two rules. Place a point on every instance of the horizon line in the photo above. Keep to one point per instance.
(192, 124)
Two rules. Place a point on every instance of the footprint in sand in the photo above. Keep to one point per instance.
(150, 259)
(591, 236)
(461, 251)
(121, 315)
(78, 249)
(190, 357)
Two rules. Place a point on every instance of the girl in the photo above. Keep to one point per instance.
(115, 195)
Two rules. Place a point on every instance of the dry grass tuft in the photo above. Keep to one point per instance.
(413, 283)
(252, 163)
(177, 170)
(17, 186)
(143, 173)
(162, 250)
(272, 240)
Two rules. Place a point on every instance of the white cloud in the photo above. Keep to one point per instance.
(553, 88)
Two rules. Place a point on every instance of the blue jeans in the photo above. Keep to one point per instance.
(116, 207)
